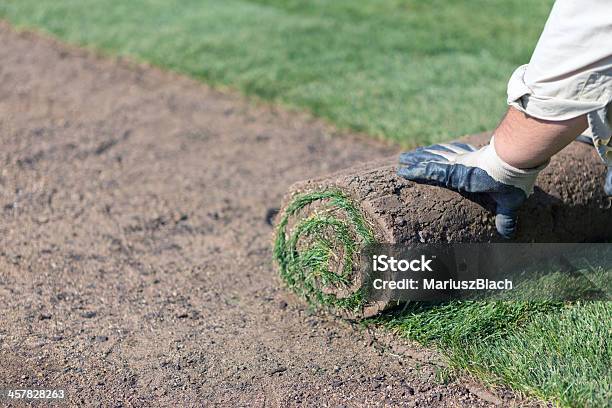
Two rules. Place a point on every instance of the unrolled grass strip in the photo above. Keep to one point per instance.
(553, 351)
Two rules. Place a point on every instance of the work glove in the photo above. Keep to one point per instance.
(462, 167)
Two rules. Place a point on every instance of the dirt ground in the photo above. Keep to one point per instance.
(135, 246)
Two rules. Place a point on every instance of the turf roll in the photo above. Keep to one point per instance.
(325, 222)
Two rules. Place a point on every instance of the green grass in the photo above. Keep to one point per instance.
(556, 351)
(413, 71)
(305, 252)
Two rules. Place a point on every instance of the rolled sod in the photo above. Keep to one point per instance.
(323, 223)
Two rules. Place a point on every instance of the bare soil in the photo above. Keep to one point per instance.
(135, 246)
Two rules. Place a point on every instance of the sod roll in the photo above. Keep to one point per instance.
(324, 223)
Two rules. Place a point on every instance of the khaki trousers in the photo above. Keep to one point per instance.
(570, 71)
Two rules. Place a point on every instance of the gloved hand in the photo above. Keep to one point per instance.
(462, 167)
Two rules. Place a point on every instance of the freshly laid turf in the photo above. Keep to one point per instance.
(411, 71)
(557, 352)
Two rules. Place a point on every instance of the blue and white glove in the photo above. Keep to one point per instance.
(461, 167)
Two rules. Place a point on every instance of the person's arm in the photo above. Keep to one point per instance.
(526, 142)
(564, 89)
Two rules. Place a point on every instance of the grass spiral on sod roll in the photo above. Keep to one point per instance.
(317, 256)
(324, 223)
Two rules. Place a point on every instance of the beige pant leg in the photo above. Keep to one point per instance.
(570, 71)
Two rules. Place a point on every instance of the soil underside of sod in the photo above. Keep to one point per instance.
(135, 252)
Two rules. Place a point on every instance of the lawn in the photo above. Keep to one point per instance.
(412, 71)
(557, 352)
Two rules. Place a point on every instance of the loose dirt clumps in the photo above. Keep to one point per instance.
(135, 245)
